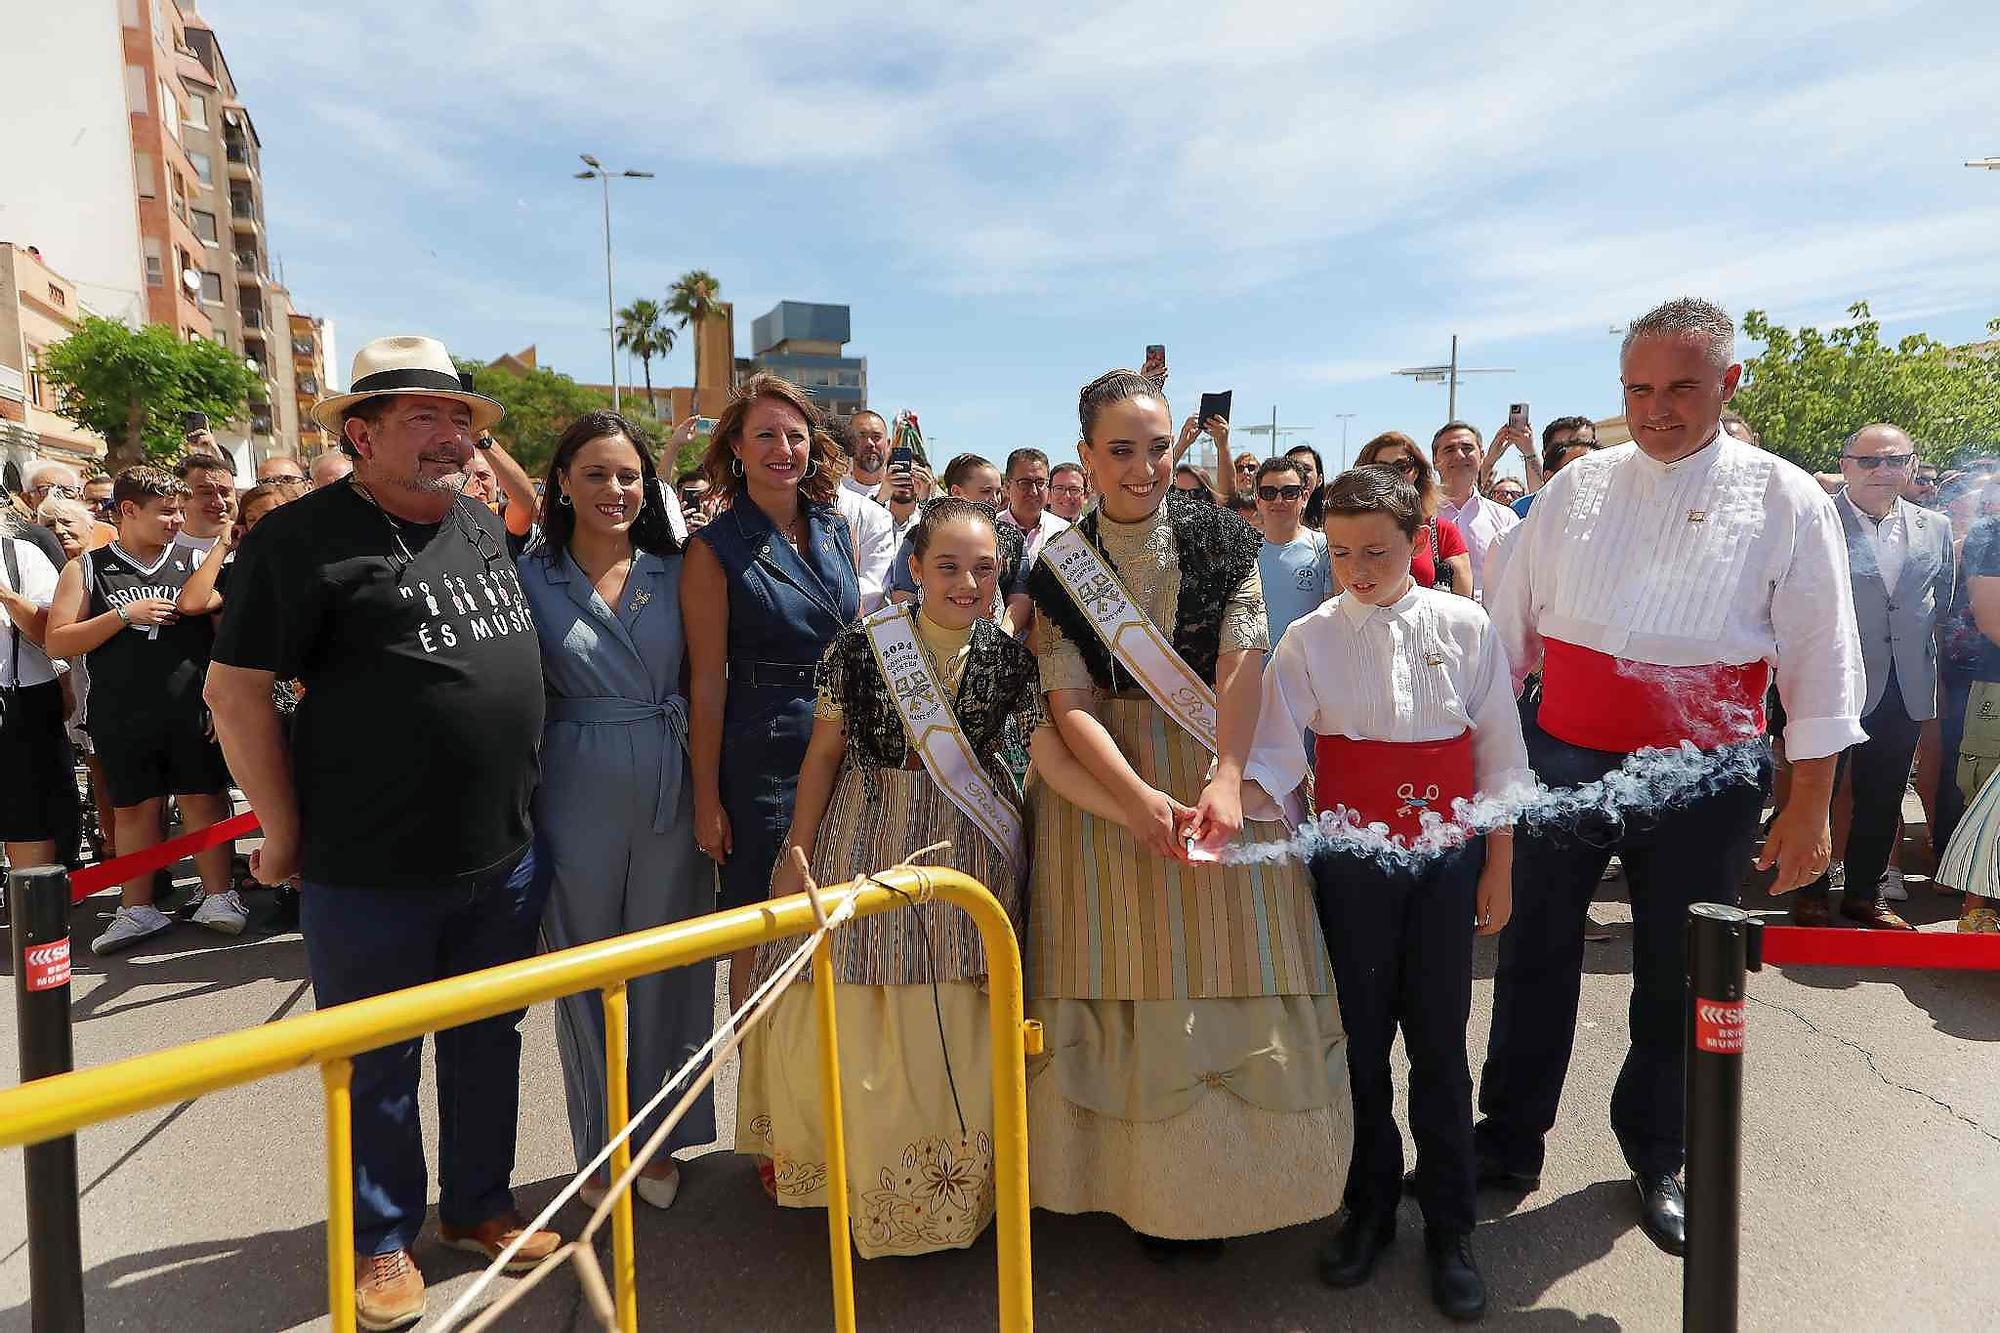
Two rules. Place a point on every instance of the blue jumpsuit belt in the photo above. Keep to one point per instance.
(625, 712)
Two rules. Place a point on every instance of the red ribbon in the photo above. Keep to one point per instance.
(1831, 946)
(94, 878)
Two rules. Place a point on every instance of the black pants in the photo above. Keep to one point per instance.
(1881, 769)
(1401, 942)
(1698, 852)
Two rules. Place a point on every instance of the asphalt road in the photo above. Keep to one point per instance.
(1872, 1184)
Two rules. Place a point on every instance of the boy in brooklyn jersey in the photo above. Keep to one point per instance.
(115, 605)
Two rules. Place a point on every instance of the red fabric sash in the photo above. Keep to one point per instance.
(1602, 702)
(1393, 782)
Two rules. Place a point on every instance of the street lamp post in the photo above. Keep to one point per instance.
(1343, 418)
(598, 172)
(1449, 374)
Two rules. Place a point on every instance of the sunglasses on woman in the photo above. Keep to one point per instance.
(1280, 492)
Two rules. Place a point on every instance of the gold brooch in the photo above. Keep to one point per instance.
(1697, 516)
(1434, 659)
(640, 598)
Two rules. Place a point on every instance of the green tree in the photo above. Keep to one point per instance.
(644, 332)
(131, 387)
(540, 405)
(695, 299)
(1809, 389)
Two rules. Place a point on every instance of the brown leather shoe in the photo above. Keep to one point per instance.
(1811, 910)
(388, 1291)
(496, 1234)
(1877, 915)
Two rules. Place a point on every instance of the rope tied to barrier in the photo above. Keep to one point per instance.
(722, 1044)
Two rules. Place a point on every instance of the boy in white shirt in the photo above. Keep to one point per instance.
(1410, 697)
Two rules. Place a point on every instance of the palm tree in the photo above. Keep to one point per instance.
(695, 299)
(644, 332)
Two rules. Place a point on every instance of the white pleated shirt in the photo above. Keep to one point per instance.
(1426, 667)
(1727, 556)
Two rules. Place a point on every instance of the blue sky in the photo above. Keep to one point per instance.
(1295, 199)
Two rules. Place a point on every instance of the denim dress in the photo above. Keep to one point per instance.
(784, 609)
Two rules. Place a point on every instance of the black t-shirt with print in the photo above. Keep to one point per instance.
(414, 750)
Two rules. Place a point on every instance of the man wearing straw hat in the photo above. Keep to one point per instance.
(401, 797)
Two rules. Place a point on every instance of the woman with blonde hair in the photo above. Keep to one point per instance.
(1442, 559)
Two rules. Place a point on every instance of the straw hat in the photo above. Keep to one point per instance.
(405, 364)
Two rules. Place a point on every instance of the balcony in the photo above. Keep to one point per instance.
(240, 166)
(243, 220)
(253, 321)
(248, 269)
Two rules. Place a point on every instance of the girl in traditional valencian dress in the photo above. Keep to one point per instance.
(914, 1040)
(1196, 1079)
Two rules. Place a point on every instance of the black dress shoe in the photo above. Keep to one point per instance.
(1662, 1210)
(1456, 1287)
(1349, 1255)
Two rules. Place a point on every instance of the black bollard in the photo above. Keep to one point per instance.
(1719, 945)
(39, 897)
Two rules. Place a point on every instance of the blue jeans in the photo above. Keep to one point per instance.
(363, 942)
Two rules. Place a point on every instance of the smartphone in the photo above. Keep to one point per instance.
(1215, 405)
(1517, 415)
(193, 421)
(704, 425)
(1155, 368)
(902, 459)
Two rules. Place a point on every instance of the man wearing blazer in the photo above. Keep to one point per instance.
(1899, 561)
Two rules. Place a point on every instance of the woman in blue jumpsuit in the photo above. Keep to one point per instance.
(614, 815)
(768, 583)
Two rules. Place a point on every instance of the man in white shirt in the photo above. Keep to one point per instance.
(1903, 574)
(1659, 585)
(1069, 491)
(1027, 496)
(874, 531)
(38, 810)
(1455, 454)
(869, 435)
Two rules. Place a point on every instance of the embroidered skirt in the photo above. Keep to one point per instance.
(916, 1181)
(1195, 1083)
(876, 817)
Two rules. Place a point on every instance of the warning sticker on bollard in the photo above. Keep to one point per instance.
(48, 965)
(1718, 1026)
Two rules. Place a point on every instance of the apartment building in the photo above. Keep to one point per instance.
(309, 352)
(38, 308)
(164, 174)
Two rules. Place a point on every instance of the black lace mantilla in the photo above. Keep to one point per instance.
(1001, 684)
(1217, 551)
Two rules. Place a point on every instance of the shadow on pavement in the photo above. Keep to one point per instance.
(725, 1258)
(185, 962)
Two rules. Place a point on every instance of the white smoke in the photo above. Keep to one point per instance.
(1647, 784)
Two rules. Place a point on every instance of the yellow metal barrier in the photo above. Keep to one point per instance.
(53, 1107)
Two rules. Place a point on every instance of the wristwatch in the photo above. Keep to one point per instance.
(120, 609)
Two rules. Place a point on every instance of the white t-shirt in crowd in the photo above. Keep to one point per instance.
(38, 585)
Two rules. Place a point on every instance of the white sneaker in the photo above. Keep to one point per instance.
(222, 912)
(1892, 886)
(128, 926)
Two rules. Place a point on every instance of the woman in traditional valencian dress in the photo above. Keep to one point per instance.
(914, 1040)
(1196, 1079)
